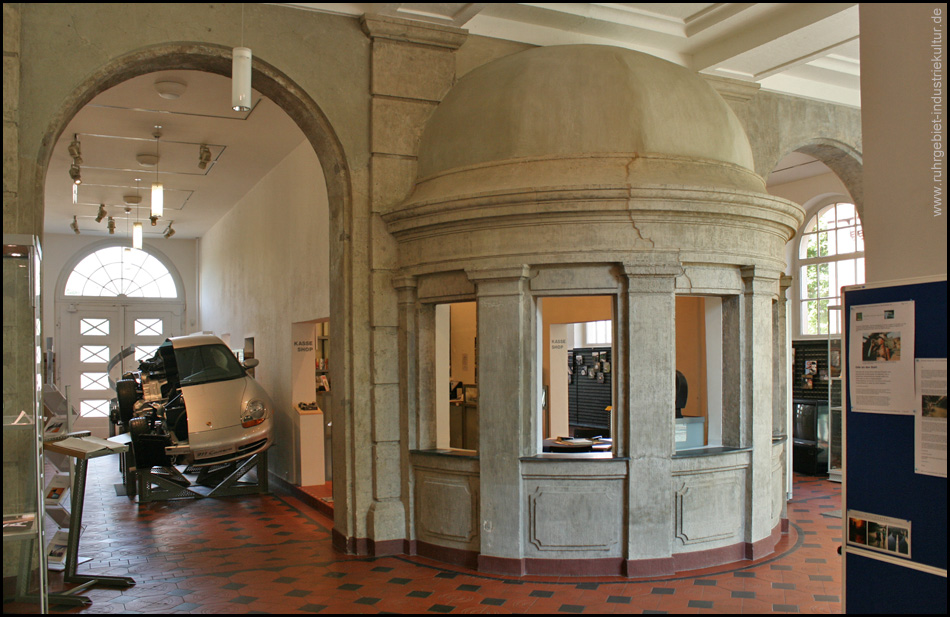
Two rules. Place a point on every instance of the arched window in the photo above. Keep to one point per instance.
(117, 270)
(830, 256)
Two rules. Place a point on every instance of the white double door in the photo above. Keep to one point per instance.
(93, 334)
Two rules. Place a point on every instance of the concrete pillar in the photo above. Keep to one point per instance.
(781, 399)
(412, 67)
(780, 362)
(648, 416)
(506, 411)
(759, 289)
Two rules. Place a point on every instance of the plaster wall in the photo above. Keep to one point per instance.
(264, 266)
(905, 220)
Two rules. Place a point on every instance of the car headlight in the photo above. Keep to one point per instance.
(254, 413)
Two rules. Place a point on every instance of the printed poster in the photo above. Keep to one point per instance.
(881, 358)
(930, 418)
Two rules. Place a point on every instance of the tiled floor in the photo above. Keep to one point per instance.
(272, 553)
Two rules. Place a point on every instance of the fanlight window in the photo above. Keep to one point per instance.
(121, 271)
(831, 256)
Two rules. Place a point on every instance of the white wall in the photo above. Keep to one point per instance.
(264, 266)
(899, 75)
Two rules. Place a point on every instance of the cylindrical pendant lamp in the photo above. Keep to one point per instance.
(241, 79)
(136, 235)
(158, 199)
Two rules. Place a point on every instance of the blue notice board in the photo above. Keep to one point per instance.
(880, 479)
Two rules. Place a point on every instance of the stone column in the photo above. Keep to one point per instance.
(649, 370)
(780, 392)
(780, 357)
(412, 68)
(506, 412)
(760, 287)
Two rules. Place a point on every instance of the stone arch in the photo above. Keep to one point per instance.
(295, 101)
(267, 79)
(844, 160)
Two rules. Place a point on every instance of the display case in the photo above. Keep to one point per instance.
(834, 394)
(810, 430)
(323, 392)
(24, 555)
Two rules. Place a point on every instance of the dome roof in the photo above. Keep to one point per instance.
(576, 100)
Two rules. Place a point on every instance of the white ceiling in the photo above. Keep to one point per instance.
(808, 50)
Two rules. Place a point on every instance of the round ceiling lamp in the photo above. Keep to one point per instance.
(147, 160)
(170, 89)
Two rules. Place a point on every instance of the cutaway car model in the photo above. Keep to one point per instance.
(193, 403)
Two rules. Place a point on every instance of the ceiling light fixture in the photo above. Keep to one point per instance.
(74, 225)
(110, 225)
(241, 74)
(170, 89)
(158, 191)
(154, 220)
(137, 235)
(204, 157)
(75, 150)
(147, 160)
(102, 213)
(169, 232)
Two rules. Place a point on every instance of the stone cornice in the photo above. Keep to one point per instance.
(732, 89)
(406, 31)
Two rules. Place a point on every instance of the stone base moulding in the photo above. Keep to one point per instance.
(611, 566)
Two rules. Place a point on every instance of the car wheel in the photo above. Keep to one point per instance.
(126, 394)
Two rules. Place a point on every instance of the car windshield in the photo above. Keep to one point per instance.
(206, 363)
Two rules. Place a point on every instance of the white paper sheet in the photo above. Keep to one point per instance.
(930, 421)
(881, 358)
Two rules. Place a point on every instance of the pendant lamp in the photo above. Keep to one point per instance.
(158, 190)
(137, 235)
(241, 79)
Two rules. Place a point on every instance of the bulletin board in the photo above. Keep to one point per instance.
(883, 492)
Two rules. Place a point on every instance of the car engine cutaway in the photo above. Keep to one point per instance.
(150, 407)
(192, 403)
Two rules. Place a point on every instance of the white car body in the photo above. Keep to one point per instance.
(228, 415)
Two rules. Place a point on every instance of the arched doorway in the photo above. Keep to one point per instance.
(278, 88)
(825, 177)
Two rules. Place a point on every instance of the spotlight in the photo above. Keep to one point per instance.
(204, 157)
(154, 220)
(75, 150)
(75, 174)
(111, 225)
(169, 232)
(74, 225)
(102, 213)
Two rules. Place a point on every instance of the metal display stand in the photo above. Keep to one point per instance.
(224, 480)
(82, 455)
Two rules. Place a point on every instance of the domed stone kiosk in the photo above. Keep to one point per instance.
(579, 171)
